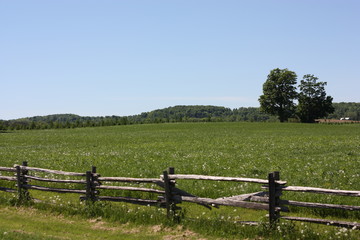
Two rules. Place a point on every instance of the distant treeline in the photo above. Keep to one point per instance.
(346, 110)
(171, 114)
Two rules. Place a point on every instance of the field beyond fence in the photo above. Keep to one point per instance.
(167, 194)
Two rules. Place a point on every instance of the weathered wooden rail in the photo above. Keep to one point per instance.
(169, 195)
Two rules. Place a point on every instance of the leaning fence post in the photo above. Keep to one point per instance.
(274, 197)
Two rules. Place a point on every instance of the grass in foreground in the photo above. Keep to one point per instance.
(30, 223)
(306, 155)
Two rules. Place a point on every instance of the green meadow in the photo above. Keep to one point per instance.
(314, 155)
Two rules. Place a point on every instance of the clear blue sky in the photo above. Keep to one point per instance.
(98, 58)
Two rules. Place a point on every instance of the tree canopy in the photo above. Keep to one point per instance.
(279, 94)
(313, 102)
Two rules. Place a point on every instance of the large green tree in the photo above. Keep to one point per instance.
(313, 102)
(279, 93)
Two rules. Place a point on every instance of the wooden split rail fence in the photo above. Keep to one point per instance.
(169, 195)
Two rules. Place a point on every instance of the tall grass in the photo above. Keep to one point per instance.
(306, 154)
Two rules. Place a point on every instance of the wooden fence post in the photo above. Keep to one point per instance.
(25, 181)
(89, 194)
(19, 182)
(94, 181)
(274, 197)
(23, 193)
(169, 196)
(167, 193)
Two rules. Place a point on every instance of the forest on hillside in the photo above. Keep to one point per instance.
(196, 113)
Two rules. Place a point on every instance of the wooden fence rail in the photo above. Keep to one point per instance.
(130, 180)
(169, 195)
(55, 180)
(324, 221)
(216, 178)
(7, 169)
(322, 191)
(52, 171)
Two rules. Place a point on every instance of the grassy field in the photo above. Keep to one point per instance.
(306, 155)
(55, 226)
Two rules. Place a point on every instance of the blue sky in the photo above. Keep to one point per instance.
(98, 58)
